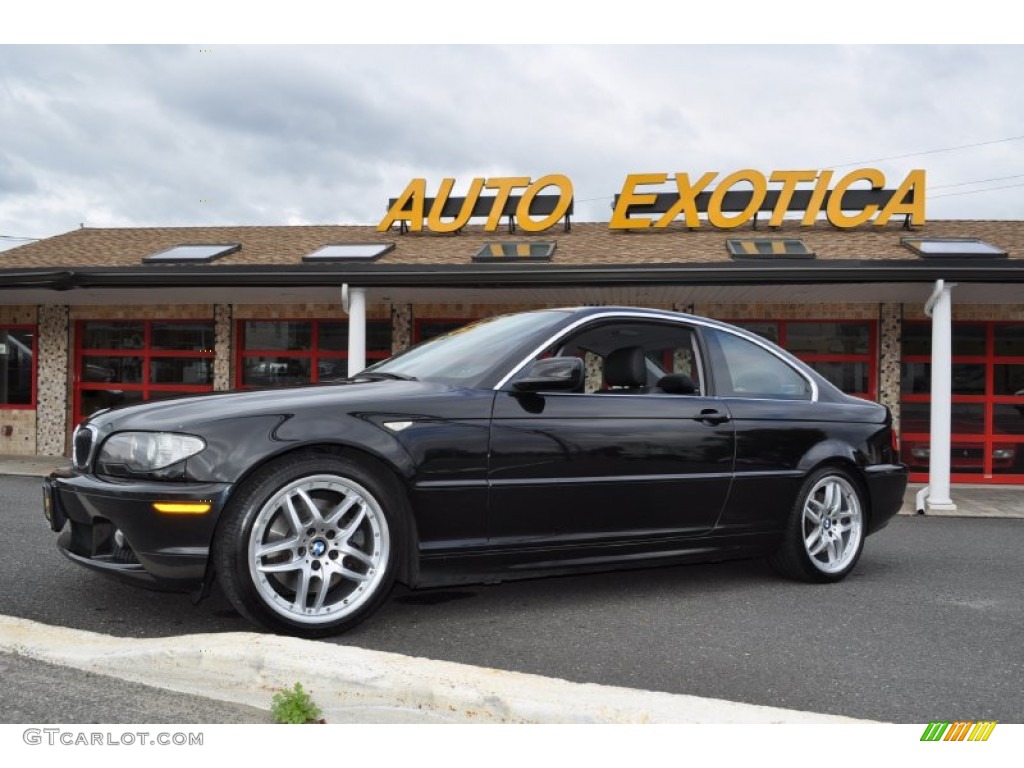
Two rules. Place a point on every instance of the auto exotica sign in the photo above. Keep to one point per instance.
(726, 202)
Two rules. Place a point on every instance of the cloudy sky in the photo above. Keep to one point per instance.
(151, 135)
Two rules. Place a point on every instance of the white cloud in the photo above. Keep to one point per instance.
(140, 135)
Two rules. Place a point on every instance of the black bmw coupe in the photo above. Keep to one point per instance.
(546, 442)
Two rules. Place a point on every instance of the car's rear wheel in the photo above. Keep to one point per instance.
(826, 528)
(309, 545)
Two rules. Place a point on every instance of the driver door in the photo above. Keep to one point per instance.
(621, 460)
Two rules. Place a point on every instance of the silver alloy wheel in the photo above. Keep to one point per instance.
(319, 549)
(833, 524)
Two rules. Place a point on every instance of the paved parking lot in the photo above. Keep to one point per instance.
(929, 626)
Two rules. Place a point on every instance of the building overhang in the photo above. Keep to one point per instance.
(780, 281)
(778, 272)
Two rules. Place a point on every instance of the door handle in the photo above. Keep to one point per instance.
(713, 416)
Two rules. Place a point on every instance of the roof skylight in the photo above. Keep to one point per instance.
(192, 253)
(768, 247)
(349, 252)
(952, 247)
(541, 250)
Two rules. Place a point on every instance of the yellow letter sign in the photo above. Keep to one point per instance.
(410, 206)
(718, 215)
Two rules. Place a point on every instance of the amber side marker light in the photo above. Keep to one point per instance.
(182, 507)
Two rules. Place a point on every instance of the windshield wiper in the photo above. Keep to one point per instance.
(382, 376)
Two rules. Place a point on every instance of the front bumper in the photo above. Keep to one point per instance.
(887, 485)
(111, 526)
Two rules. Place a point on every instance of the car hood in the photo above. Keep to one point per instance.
(194, 412)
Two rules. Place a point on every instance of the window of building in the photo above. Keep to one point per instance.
(987, 383)
(17, 366)
(277, 353)
(118, 362)
(843, 351)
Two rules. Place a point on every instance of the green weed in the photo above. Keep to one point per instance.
(294, 706)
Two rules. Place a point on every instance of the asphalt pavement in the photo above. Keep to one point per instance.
(927, 626)
(37, 692)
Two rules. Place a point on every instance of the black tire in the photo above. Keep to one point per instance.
(302, 522)
(825, 532)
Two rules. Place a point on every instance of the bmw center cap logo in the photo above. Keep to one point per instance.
(318, 548)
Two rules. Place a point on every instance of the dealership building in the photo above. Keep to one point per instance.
(844, 273)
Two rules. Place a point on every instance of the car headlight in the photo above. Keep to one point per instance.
(142, 453)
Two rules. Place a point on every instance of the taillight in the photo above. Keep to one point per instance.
(894, 442)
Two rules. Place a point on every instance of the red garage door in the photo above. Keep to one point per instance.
(988, 401)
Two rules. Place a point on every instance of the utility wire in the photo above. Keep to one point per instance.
(929, 152)
(979, 181)
(976, 191)
(13, 237)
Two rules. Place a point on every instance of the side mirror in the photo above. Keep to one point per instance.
(559, 374)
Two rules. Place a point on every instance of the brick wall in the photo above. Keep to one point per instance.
(18, 315)
(142, 312)
(22, 425)
(304, 311)
(471, 311)
(788, 311)
(1013, 312)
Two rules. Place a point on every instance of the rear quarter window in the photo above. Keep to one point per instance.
(745, 369)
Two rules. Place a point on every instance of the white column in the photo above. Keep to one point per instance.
(941, 310)
(356, 330)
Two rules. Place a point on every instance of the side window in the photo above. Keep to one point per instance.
(745, 369)
(636, 357)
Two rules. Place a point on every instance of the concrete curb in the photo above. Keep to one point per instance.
(357, 685)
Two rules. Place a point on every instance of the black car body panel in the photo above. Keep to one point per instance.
(167, 551)
(502, 483)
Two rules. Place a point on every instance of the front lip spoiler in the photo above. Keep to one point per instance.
(134, 574)
(102, 565)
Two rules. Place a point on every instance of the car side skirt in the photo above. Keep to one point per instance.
(492, 567)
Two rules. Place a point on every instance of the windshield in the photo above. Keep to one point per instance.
(477, 354)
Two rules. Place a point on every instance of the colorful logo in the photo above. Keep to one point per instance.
(961, 730)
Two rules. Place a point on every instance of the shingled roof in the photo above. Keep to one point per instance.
(587, 244)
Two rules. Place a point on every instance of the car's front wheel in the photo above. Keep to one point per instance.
(825, 533)
(309, 544)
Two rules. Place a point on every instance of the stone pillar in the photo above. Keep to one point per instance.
(890, 329)
(401, 327)
(222, 332)
(594, 372)
(52, 381)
